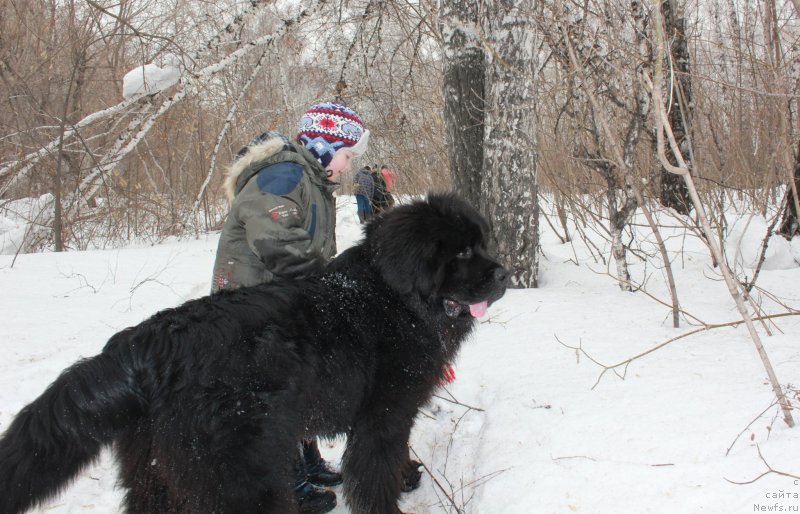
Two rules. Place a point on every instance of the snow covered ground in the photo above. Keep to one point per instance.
(522, 429)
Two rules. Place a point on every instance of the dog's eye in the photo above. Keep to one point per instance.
(466, 253)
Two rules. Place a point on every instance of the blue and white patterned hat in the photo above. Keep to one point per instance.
(327, 127)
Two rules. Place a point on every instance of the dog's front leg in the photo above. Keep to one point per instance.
(373, 464)
(411, 473)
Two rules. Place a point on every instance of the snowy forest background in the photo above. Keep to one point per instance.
(542, 98)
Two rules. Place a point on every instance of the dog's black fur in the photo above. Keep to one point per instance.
(206, 402)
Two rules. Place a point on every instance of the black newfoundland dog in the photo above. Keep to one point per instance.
(205, 403)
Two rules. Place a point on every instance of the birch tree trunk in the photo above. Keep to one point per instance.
(790, 223)
(610, 159)
(509, 196)
(679, 105)
(790, 226)
(463, 95)
(619, 218)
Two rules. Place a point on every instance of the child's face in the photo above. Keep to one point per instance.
(341, 163)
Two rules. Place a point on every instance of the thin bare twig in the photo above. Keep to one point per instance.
(625, 363)
(771, 405)
(769, 471)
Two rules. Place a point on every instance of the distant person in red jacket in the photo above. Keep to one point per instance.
(382, 198)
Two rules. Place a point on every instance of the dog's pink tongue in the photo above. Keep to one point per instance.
(478, 310)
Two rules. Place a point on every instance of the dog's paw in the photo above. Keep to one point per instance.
(412, 473)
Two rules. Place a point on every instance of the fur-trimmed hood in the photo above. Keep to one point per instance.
(254, 154)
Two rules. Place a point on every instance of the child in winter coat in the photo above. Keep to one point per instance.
(281, 224)
(282, 216)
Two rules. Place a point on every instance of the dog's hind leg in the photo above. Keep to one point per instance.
(239, 480)
(243, 454)
(146, 492)
(255, 477)
(252, 449)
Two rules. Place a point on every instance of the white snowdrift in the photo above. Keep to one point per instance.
(529, 434)
(744, 242)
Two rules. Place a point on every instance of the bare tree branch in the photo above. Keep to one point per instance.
(662, 126)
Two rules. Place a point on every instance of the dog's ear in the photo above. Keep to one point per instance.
(404, 251)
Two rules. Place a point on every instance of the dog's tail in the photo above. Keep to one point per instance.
(63, 430)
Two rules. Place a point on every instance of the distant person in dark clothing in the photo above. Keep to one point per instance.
(364, 189)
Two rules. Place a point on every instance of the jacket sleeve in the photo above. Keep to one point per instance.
(275, 232)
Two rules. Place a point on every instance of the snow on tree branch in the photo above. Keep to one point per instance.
(150, 79)
(191, 85)
(191, 82)
(32, 158)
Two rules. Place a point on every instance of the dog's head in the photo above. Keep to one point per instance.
(436, 248)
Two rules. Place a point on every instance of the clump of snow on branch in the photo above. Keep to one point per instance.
(150, 79)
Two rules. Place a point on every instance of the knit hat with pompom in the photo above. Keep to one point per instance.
(327, 127)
